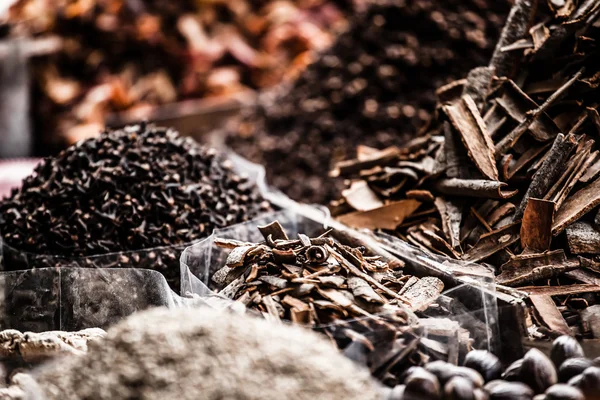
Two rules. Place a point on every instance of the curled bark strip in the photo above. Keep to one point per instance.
(474, 187)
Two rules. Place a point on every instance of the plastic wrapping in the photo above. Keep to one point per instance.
(472, 305)
(71, 299)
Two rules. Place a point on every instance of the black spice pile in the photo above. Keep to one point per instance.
(374, 86)
(567, 374)
(130, 189)
(510, 172)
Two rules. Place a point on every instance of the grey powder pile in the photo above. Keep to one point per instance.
(204, 354)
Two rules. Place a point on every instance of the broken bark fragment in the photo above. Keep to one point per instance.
(451, 216)
(549, 171)
(536, 228)
(387, 217)
(550, 315)
(468, 122)
(516, 27)
(577, 205)
(517, 105)
(360, 197)
(583, 238)
(474, 187)
(492, 242)
(424, 292)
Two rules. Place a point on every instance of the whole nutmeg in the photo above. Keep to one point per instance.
(470, 374)
(588, 382)
(421, 385)
(573, 367)
(459, 388)
(513, 372)
(561, 391)
(537, 371)
(563, 348)
(441, 369)
(484, 362)
(445, 371)
(503, 390)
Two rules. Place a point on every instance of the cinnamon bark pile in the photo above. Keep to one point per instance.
(509, 172)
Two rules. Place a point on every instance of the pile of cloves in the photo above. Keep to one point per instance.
(134, 189)
(565, 375)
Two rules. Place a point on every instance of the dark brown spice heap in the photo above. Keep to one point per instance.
(374, 86)
(509, 173)
(131, 189)
(362, 301)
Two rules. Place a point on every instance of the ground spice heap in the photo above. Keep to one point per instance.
(199, 353)
(509, 173)
(360, 300)
(131, 189)
(374, 86)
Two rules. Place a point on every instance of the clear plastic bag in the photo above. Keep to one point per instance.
(474, 304)
(71, 299)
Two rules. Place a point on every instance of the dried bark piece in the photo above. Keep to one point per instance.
(591, 173)
(478, 85)
(583, 238)
(424, 196)
(386, 217)
(423, 293)
(351, 166)
(517, 26)
(549, 171)
(274, 230)
(584, 276)
(332, 281)
(550, 315)
(238, 255)
(530, 273)
(560, 290)
(230, 243)
(274, 281)
(513, 136)
(467, 120)
(577, 205)
(536, 228)
(360, 288)
(517, 104)
(360, 197)
(273, 309)
(451, 216)
(455, 155)
(451, 91)
(474, 187)
(492, 242)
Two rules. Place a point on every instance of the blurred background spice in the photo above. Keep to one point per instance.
(117, 55)
(374, 87)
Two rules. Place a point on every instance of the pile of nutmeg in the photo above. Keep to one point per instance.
(566, 375)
